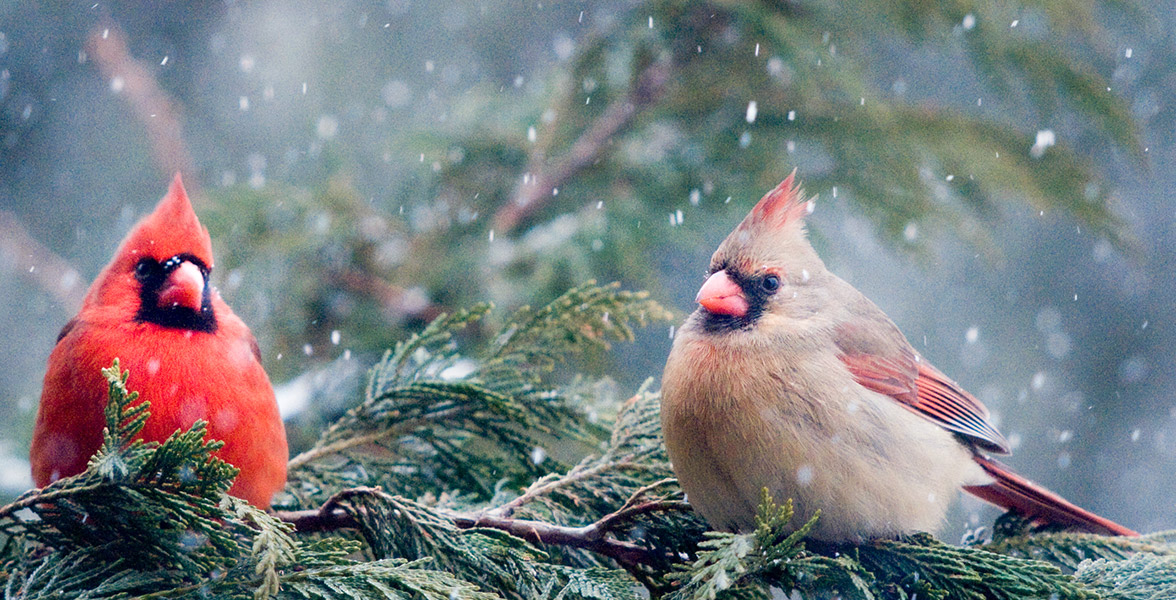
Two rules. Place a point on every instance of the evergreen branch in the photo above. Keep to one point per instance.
(419, 428)
(1140, 577)
(548, 484)
(335, 515)
(1068, 550)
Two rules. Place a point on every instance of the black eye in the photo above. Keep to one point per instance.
(770, 284)
(144, 269)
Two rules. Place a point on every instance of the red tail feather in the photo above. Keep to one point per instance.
(1015, 493)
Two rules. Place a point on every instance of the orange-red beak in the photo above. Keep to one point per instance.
(722, 296)
(184, 287)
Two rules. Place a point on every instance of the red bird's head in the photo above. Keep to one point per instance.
(160, 270)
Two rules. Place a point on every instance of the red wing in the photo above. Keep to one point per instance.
(922, 388)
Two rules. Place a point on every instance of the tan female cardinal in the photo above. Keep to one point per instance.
(788, 378)
(154, 309)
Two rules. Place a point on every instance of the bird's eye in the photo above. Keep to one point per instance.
(770, 284)
(143, 269)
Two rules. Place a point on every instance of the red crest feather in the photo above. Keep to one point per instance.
(783, 205)
(171, 229)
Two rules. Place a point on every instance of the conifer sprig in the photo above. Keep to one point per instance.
(434, 419)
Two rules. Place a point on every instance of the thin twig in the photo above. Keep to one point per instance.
(538, 189)
(540, 488)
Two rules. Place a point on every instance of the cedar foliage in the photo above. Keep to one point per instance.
(431, 488)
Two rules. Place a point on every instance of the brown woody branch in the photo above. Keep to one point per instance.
(537, 190)
(595, 537)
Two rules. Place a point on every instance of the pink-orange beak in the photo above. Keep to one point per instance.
(184, 287)
(722, 296)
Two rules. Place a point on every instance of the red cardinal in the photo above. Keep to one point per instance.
(786, 377)
(154, 309)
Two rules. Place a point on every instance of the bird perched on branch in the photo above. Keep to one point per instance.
(154, 309)
(788, 378)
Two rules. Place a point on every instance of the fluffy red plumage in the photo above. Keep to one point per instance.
(154, 309)
(788, 378)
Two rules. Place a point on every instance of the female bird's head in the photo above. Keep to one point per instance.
(764, 266)
(160, 271)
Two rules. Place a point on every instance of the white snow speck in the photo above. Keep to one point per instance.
(117, 84)
(307, 349)
(538, 455)
(1135, 433)
(335, 337)
(164, 61)
(804, 475)
(972, 334)
(1045, 139)
(792, 115)
(1064, 460)
(969, 21)
(911, 232)
(1015, 23)
(1127, 53)
(752, 110)
(531, 134)
(243, 103)
(695, 197)
(327, 127)
(1038, 380)
(757, 50)
(651, 22)
(246, 63)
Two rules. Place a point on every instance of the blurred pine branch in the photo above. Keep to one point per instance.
(605, 163)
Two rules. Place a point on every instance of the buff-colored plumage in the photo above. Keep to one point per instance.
(806, 388)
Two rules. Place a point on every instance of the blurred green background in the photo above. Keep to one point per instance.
(994, 175)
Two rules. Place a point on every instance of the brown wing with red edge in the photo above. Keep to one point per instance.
(921, 388)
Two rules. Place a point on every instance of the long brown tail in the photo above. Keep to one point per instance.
(1013, 492)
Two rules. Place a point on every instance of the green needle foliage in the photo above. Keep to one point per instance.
(429, 488)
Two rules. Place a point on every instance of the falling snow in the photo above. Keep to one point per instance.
(1045, 139)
